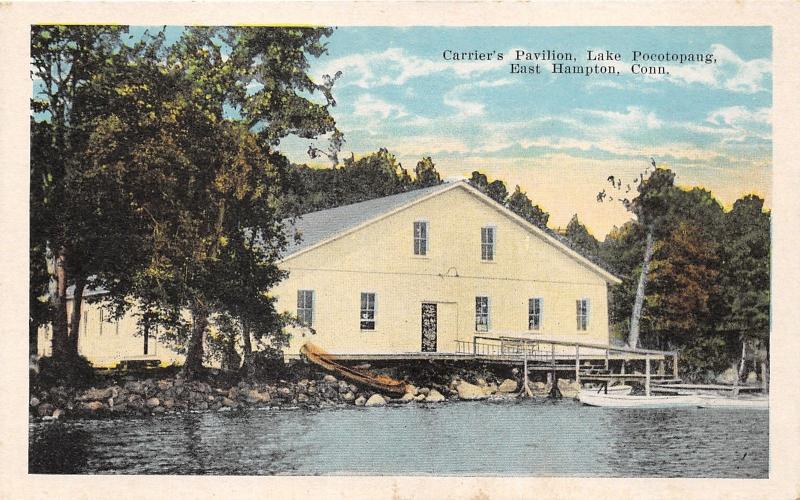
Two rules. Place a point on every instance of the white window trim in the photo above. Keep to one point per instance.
(493, 227)
(588, 314)
(374, 313)
(488, 313)
(427, 239)
(541, 314)
(313, 306)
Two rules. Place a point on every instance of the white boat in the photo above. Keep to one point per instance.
(611, 400)
(713, 401)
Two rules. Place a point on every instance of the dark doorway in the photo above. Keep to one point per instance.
(428, 327)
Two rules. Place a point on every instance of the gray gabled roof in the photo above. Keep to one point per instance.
(316, 227)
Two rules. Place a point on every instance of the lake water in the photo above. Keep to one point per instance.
(526, 438)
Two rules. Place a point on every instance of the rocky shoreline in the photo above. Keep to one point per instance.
(150, 396)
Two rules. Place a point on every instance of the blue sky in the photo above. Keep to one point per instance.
(559, 136)
(556, 136)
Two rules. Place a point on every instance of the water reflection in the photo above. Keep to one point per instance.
(527, 438)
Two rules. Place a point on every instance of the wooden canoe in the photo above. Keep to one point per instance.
(380, 382)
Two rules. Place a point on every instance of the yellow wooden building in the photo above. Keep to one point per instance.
(421, 270)
(409, 273)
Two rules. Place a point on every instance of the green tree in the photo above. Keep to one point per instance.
(520, 204)
(496, 189)
(581, 238)
(425, 173)
(64, 59)
(745, 277)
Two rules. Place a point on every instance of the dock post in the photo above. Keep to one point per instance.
(606, 359)
(577, 364)
(526, 387)
(675, 364)
(647, 374)
(474, 345)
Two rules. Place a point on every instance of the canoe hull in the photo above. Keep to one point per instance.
(626, 401)
(380, 382)
(723, 402)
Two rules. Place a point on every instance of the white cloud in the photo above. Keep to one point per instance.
(370, 106)
(730, 72)
(394, 66)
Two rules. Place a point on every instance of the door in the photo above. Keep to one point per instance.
(428, 327)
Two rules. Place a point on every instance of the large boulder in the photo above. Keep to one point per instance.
(569, 388)
(507, 386)
(375, 400)
(470, 392)
(407, 397)
(434, 397)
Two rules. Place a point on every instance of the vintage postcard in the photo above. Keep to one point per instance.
(293, 246)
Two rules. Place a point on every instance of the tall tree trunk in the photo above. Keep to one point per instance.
(636, 316)
(75, 322)
(59, 303)
(194, 354)
(741, 373)
(247, 351)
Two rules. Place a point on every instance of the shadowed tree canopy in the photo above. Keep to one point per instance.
(425, 173)
(580, 237)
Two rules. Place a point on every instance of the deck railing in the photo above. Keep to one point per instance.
(553, 351)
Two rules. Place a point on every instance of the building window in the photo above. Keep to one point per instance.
(305, 307)
(481, 314)
(535, 313)
(420, 238)
(487, 243)
(367, 311)
(582, 306)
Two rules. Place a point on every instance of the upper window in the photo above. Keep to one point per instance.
(367, 316)
(582, 306)
(481, 314)
(487, 243)
(420, 238)
(305, 307)
(535, 313)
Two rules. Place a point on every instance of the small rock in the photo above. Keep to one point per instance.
(93, 406)
(233, 393)
(44, 409)
(481, 382)
(752, 378)
(508, 385)
(35, 402)
(202, 406)
(375, 400)
(360, 401)
(348, 396)
(96, 394)
(57, 413)
(302, 398)
(164, 384)
(329, 378)
(419, 398)
(169, 403)
(159, 410)
(411, 389)
(285, 392)
(152, 402)
(407, 397)
(425, 391)
(434, 397)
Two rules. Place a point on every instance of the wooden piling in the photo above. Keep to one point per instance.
(526, 387)
(647, 374)
(577, 364)
(675, 364)
(606, 359)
